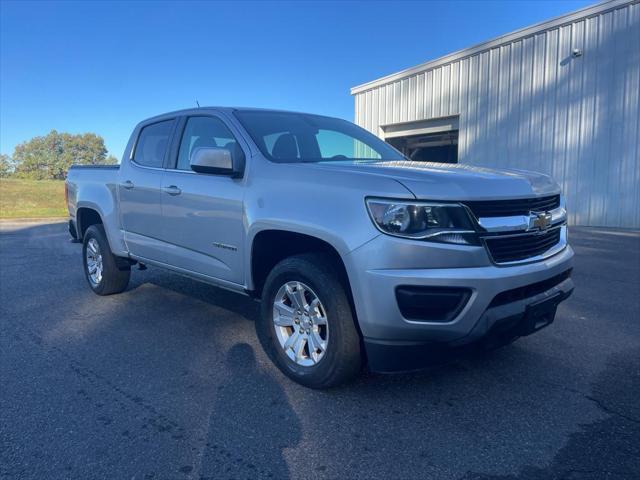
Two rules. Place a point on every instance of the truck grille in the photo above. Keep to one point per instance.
(504, 249)
(510, 208)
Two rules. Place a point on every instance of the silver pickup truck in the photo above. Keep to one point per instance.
(359, 256)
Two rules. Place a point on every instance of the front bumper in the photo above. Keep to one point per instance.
(496, 326)
(389, 337)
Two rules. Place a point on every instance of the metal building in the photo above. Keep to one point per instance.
(560, 97)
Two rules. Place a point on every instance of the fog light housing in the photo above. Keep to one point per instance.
(431, 304)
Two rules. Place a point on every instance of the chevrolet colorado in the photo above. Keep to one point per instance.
(359, 256)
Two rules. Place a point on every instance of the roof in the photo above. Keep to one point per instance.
(196, 110)
(506, 38)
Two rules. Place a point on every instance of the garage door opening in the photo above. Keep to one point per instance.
(432, 140)
(433, 147)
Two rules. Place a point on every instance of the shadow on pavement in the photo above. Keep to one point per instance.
(247, 401)
(607, 448)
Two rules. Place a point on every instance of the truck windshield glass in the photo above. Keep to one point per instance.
(285, 137)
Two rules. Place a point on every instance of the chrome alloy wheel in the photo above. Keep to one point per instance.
(94, 262)
(300, 322)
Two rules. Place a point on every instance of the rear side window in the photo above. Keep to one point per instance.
(152, 144)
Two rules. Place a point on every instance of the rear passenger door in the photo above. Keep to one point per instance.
(139, 190)
(203, 224)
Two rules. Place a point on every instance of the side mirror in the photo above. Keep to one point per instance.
(216, 160)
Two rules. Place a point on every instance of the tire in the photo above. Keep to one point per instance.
(332, 323)
(115, 273)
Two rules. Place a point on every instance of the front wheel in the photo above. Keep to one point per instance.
(306, 325)
(102, 268)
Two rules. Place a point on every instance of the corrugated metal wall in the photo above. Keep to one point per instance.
(528, 103)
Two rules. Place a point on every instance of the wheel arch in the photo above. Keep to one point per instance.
(85, 217)
(271, 245)
(101, 212)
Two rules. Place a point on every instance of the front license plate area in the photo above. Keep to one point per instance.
(539, 315)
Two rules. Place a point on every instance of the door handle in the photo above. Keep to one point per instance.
(172, 190)
(128, 185)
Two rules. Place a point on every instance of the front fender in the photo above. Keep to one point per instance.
(318, 202)
(312, 230)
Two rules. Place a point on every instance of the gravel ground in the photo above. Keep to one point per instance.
(167, 380)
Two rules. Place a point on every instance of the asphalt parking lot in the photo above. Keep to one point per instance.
(167, 380)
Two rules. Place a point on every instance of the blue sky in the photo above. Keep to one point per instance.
(104, 66)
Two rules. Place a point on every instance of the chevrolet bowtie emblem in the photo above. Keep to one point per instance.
(539, 220)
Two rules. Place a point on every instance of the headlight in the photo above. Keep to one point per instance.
(443, 222)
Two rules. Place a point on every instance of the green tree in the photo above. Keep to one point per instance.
(110, 160)
(50, 156)
(6, 166)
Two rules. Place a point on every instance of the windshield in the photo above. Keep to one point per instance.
(299, 137)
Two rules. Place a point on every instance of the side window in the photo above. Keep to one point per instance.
(152, 144)
(204, 132)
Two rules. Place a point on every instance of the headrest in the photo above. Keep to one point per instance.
(285, 147)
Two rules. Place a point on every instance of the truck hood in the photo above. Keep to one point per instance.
(439, 181)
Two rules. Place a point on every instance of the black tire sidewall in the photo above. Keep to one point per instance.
(110, 270)
(93, 232)
(330, 291)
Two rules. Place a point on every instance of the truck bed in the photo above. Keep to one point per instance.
(96, 187)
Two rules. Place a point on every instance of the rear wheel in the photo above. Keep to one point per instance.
(105, 273)
(306, 326)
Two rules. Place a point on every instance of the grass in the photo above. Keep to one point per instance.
(32, 198)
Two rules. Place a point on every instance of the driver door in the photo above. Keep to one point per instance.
(202, 214)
